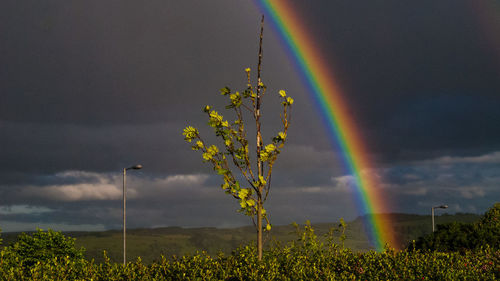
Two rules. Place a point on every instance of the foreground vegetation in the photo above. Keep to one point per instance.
(150, 244)
(49, 255)
(304, 259)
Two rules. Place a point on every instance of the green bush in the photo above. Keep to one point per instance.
(462, 236)
(42, 246)
(52, 256)
(488, 228)
(304, 259)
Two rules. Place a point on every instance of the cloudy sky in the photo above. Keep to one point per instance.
(88, 88)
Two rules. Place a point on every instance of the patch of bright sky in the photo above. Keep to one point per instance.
(23, 209)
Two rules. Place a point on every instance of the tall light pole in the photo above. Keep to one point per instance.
(136, 167)
(432, 212)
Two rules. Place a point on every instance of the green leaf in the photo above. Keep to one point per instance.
(207, 156)
(264, 156)
(190, 133)
(282, 135)
(224, 91)
(270, 148)
(262, 180)
(247, 93)
(199, 144)
(243, 193)
(213, 150)
(222, 171)
(215, 119)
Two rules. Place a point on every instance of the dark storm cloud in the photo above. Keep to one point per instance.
(426, 61)
(100, 85)
(430, 126)
(100, 62)
(52, 147)
(90, 87)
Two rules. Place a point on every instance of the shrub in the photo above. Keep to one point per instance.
(42, 246)
(462, 236)
(304, 259)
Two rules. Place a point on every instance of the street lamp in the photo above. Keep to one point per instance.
(136, 167)
(432, 212)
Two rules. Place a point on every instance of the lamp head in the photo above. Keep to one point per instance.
(440, 207)
(136, 167)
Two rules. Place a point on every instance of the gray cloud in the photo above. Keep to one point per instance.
(490, 158)
(23, 209)
(72, 198)
(465, 182)
(88, 88)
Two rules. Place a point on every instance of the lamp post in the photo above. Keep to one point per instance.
(136, 167)
(432, 212)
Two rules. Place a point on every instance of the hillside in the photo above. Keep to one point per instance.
(149, 244)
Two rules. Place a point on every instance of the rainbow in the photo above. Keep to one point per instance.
(317, 75)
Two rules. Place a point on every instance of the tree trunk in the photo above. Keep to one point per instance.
(259, 229)
(260, 166)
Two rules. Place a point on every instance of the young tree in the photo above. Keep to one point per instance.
(257, 176)
(41, 246)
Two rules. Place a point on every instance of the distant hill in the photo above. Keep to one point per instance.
(150, 244)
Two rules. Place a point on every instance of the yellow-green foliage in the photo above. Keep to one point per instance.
(304, 259)
(234, 154)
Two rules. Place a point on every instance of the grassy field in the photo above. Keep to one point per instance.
(150, 244)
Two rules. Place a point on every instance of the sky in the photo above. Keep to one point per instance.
(88, 88)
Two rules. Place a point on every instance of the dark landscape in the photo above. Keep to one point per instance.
(150, 244)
